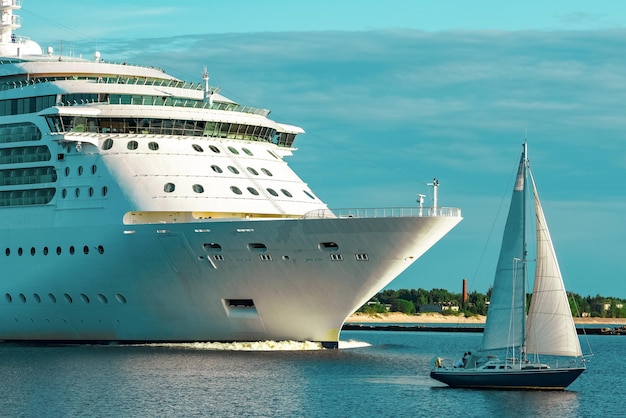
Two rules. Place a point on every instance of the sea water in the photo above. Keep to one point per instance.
(374, 373)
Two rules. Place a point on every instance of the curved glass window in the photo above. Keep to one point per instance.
(198, 188)
(107, 144)
(214, 149)
(247, 151)
(233, 169)
(216, 168)
(253, 171)
(286, 193)
(132, 145)
(236, 190)
(267, 172)
(233, 150)
(169, 187)
(309, 194)
(153, 146)
(253, 191)
(272, 192)
(197, 147)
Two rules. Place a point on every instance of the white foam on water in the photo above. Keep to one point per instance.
(260, 345)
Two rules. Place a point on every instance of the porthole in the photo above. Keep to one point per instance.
(7, 251)
(53, 298)
(8, 297)
(80, 170)
(107, 144)
(91, 192)
(67, 297)
(212, 246)
(77, 192)
(64, 193)
(214, 149)
(198, 188)
(59, 250)
(247, 151)
(102, 298)
(86, 249)
(197, 147)
(23, 297)
(286, 192)
(235, 189)
(104, 190)
(267, 172)
(94, 168)
(37, 297)
(253, 171)
(72, 250)
(45, 250)
(233, 150)
(233, 169)
(132, 145)
(20, 251)
(153, 146)
(67, 171)
(309, 194)
(120, 298)
(217, 169)
(84, 297)
(169, 187)
(253, 191)
(100, 249)
(33, 251)
(272, 192)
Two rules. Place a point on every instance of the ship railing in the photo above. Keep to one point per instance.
(403, 212)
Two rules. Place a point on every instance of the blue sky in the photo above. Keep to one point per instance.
(392, 94)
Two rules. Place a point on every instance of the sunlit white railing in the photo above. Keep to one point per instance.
(407, 212)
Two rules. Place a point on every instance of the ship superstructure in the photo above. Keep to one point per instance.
(138, 207)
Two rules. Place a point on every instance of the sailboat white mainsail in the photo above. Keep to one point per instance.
(550, 326)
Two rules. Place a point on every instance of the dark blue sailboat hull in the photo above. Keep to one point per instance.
(542, 379)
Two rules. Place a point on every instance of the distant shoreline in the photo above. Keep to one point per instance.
(437, 318)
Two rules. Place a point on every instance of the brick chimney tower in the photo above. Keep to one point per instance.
(464, 292)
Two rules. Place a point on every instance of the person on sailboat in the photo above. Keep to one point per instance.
(460, 363)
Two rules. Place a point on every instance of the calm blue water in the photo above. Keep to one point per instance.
(386, 374)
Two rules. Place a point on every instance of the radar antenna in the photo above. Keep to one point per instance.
(208, 94)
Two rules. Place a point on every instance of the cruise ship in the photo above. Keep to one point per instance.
(137, 207)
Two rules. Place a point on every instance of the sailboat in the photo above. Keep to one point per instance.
(541, 348)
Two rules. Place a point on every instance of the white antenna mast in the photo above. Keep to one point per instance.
(435, 185)
(208, 94)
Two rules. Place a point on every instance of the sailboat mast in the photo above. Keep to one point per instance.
(524, 245)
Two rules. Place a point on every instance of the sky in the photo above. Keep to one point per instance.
(393, 94)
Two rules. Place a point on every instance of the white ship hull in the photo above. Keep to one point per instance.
(156, 283)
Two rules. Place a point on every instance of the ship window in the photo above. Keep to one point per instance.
(253, 191)
(267, 172)
(107, 144)
(198, 188)
(272, 192)
(100, 249)
(45, 250)
(37, 297)
(7, 251)
(217, 169)
(8, 297)
(32, 251)
(197, 147)
(120, 298)
(253, 171)
(214, 149)
(59, 250)
(102, 298)
(328, 246)
(153, 146)
(20, 251)
(240, 303)
(257, 247)
(64, 193)
(52, 298)
(286, 192)
(77, 192)
(235, 189)
(132, 145)
(72, 249)
(91, 192)
(94, 168)
(169, 187)
(233, 169)
(309, 194)
(67, 171)
(233, 150)
(105, 190)
(247, 151)
(86, 249)
(211, 246)
(23, 297)
(84, 297)
(67, 297)
(80, 170)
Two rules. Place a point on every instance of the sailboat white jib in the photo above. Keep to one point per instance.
(540, 349)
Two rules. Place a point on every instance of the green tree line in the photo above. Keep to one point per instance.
(411, 301)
